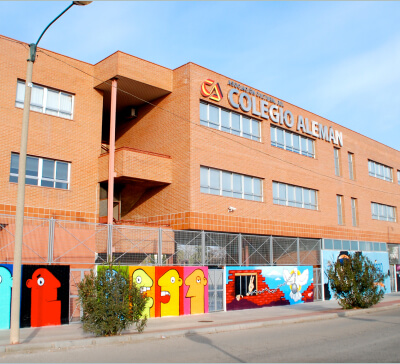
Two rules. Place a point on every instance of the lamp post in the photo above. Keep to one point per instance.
(19, 217)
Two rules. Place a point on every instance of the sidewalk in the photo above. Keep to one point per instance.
(157, 328)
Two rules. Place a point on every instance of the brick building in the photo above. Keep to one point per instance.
(194, 150)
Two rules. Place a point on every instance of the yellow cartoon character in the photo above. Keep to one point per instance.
(144, 282)
(196, 282)
(170, 283)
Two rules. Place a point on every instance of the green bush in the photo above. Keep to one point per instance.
(356, 282)
(110, 303)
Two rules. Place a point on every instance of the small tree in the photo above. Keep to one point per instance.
(110, 303)
(356, 282)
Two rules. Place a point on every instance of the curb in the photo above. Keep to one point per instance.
(157, 335)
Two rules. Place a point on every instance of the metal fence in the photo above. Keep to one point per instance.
(50, 241)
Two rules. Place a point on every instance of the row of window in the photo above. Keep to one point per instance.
(293, 142)
(234, 123)
(42, 172)
(229, 121)
(217, 182)
(353, 245)
(224, 183)
(46, 100)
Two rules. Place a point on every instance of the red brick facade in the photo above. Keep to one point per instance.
(160, 152)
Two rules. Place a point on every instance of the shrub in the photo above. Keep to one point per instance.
(110, 303)
(356, 282)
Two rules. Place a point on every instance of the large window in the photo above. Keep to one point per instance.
(230, 184)
(47, 100)
(354, 211)
(351, 165)
(336, 157)
(285, 139)
(229, 121)
(380, 171)
(339, 203)
(42, 172)
(383, 212)
(295, 196)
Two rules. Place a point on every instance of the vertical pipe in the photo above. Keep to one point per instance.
(160, 246)
(203, 248)
(50, 248)
(111, 155)
(298, 250)
(271, 250)
(240, 248)
(19, 218)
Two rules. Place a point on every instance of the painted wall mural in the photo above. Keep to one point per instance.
(259, 286)
(44, 295)
(173, 291)
(6, 272)
(380, 260)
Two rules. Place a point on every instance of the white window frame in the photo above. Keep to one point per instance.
(286, 201)
(45, 108)
(288, 135)
(40, 177)
(379, 170)
(379, 213)
(230, 193)
(233, 131)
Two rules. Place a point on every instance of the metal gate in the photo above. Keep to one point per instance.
(317, 284)
(76, 276)
(215, 290)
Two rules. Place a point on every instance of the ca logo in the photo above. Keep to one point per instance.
(213, 93)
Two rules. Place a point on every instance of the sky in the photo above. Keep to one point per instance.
(337, 59)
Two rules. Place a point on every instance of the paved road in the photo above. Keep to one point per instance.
(364, 338)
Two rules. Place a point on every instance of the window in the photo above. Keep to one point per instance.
(337, 161)
(46, 100)
(380, 171)
(351, 165)
(398, 177)
(223, 183)
(383, 212)
(339, 202)
(42, 172)
(295, 196)
(296, 143)
(354, 211)
(230, 122)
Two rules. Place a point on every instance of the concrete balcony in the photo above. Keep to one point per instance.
(137, 166)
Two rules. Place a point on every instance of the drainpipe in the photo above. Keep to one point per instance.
(111, 155)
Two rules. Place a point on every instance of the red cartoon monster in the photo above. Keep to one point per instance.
(45, 309)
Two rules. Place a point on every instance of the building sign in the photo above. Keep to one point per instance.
(211, 90)
(266, 107)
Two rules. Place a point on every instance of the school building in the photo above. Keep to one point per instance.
(220, 172)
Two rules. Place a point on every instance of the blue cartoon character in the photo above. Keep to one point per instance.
(5, 297)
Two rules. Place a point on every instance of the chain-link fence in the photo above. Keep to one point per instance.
(49, 241)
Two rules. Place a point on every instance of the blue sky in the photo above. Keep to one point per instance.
(340, 60)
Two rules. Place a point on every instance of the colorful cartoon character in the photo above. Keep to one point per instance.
(144, 282)
(196, 282)
(170, 284)
(5, 297)
(45, 308)
(295, 280)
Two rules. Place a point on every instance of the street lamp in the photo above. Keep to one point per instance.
(19, 216)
